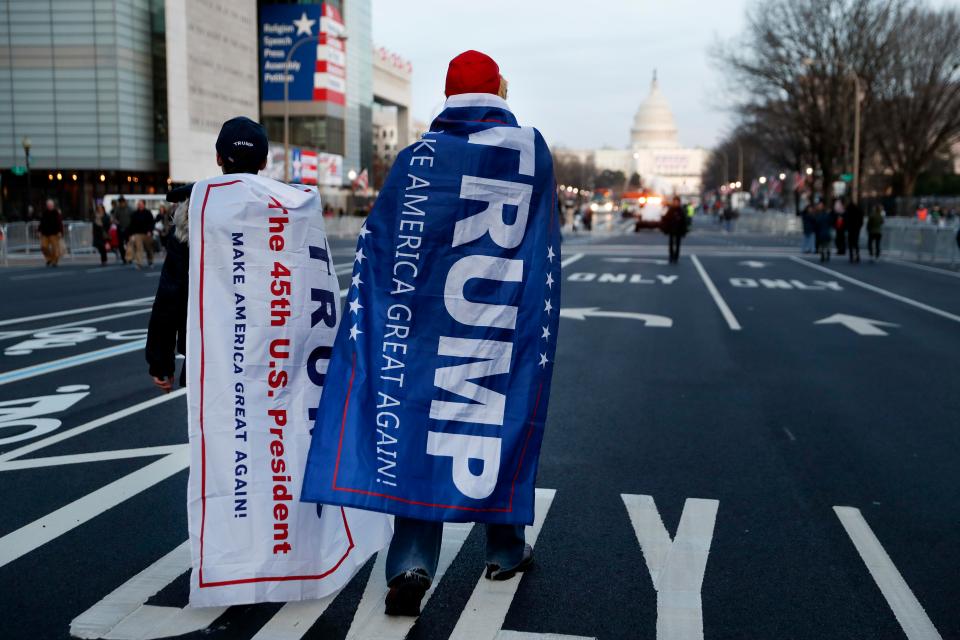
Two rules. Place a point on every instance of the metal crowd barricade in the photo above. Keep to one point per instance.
(902, 237)
(921, 241)
(21, 239)
(78, 237)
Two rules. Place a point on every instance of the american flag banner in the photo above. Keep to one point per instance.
(309, 167)
(330, 76)
(437, 389)
(362, 181)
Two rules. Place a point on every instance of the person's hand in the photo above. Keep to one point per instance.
(164, 384)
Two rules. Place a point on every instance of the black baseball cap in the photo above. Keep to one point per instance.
(242, 144)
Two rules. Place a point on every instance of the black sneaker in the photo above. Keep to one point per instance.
(406, 592)
(494, 572)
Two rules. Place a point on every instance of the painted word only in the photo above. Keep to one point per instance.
(620, 278)
(776, 283)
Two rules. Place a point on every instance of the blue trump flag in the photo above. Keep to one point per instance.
(436, 394)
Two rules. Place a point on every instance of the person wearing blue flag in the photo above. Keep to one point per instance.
(435, 396)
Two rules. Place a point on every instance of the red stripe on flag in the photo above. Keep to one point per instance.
(333, 69)
(326, 95)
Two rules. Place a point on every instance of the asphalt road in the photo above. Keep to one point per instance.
(709, 395)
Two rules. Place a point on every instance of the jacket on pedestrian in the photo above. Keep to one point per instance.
(141, 221)
(825, 223)
(167, 331)
(875, 221)
(101, 230)
(51, 222)
(674, 222)
(121, 215)
(809, 221)
(853, 219)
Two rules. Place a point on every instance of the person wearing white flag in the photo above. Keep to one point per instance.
(249, 294)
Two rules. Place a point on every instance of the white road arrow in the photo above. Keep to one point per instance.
(649, 320)
(754, 264)
(862, 326)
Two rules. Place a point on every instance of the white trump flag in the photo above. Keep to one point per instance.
(263, 311)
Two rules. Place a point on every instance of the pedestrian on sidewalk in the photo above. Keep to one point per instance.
(113, 234)
(825, 224)
(874, 231)
(246, 143)
(101, 232)
(120, 214)
(51, 233)
(141, 236)
(839, 222)
(674, 224)
(853, 221)
(809, 221)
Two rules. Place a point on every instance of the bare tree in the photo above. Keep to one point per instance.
(793, 71)
(915, 110)
(570, 169)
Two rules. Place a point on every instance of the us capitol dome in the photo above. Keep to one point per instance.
(653, 125)
(654, 151)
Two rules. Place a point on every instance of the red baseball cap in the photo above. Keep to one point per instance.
(472, 72)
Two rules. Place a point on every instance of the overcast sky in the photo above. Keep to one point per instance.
(577, 70)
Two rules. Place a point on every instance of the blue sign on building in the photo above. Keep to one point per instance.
(282, 27)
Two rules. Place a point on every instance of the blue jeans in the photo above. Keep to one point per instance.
(416, 545)
(809, 242)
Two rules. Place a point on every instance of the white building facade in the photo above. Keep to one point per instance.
(655, 152)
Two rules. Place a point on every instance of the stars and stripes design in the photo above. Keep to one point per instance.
(330, 76)
(353, 293)
(552, 262)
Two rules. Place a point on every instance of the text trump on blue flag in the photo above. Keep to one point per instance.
(438, 385)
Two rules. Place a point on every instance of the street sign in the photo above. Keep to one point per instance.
(847, 177)
(18, 170)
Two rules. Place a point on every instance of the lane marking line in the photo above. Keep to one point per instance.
(676, 566)
(923, 267)
(905, 606)
(70, 312)
(790, 435)
(878, 290)
(568, 261)
(53, 525)
(38, 276)
(369, 620)
(294, 619)
(717, 298)
(75, 323)
(524, 635)
(96, 456)
(101, 618)
(70, 361)
(89, 426)
(482, 617)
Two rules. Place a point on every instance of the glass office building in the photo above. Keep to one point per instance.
(77, 85)
(85, 84)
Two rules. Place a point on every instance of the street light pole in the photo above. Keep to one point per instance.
(856, 138)
(286, 98)
(740, 163)
(26, 151)
(286, 104)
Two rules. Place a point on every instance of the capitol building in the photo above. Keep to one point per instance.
(655, 152)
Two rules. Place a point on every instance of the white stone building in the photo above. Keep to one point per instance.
(655, 152)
